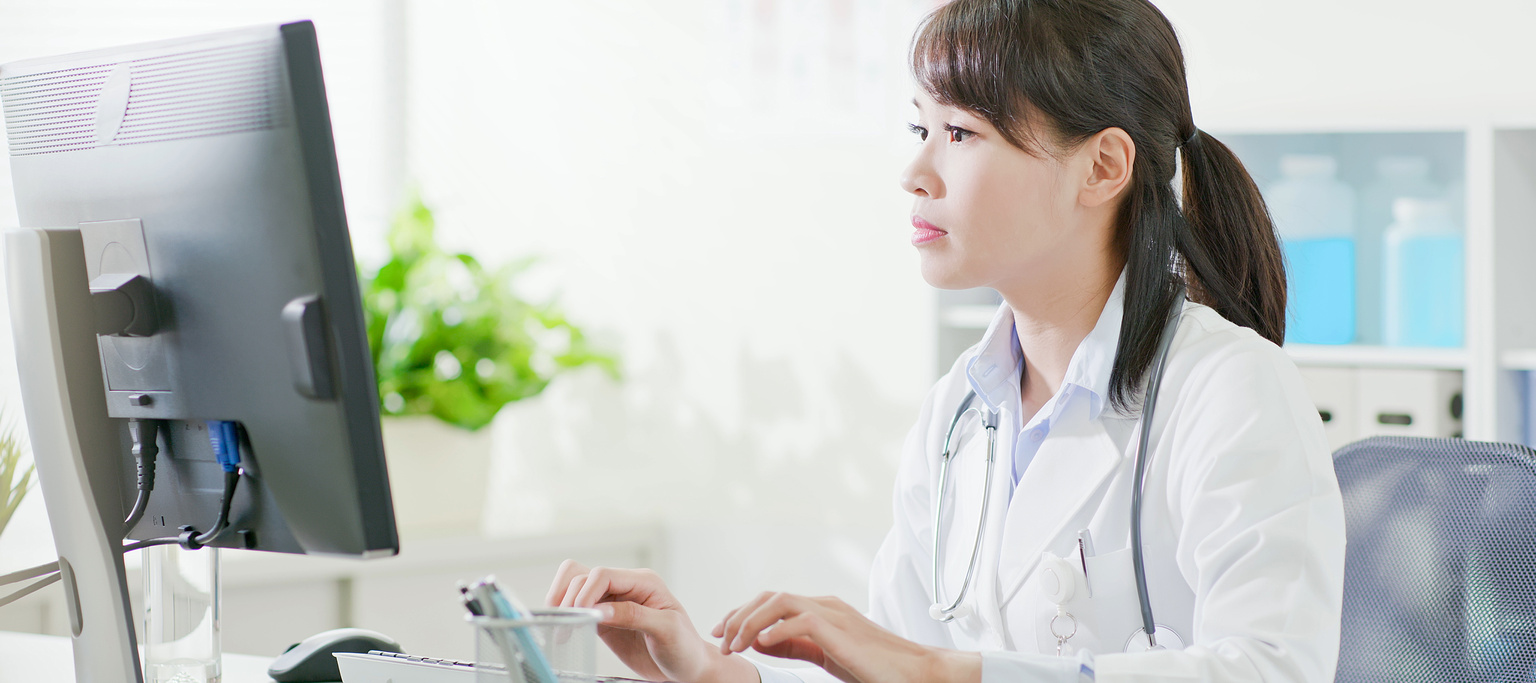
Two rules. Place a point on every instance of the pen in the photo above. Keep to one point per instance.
(510, 608)
(1084, 551)
(469, 601)
(479, 595)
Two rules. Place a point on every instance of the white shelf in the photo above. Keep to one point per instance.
(1522, 359)
(972, 317)
(1361, 356)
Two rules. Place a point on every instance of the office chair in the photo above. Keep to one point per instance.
(1440, 572)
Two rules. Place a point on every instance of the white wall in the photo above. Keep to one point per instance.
(716, 192)
(1357, 63)
(715, 196)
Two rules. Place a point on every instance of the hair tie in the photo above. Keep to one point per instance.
(1191, 139)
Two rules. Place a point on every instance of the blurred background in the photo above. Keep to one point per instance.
(710, 190)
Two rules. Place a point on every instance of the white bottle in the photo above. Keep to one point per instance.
(1396, 177)
(1314, 214)
(1424, 283)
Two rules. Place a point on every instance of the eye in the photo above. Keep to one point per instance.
(922, 133)
(957, 134)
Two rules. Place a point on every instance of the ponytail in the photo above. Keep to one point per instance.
(1232, 260)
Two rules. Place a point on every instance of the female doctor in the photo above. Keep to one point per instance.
(1023, 546)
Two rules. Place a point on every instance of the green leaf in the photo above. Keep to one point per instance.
(424, 302)
(11, 452)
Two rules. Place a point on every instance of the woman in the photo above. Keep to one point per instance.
(1050, 131)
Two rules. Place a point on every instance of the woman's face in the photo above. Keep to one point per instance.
(987, 213)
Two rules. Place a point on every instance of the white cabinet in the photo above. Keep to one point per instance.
(1333, 390)
(1407, 402)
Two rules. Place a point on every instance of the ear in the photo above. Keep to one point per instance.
(1111, 155)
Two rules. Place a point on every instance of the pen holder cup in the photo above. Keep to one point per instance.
(561, 641)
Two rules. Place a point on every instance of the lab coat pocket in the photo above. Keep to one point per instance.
(1115, 610)
(1103, 609)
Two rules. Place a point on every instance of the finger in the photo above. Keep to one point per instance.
(719, 629)
(577, 584)
(633, 585)
(803, 626)
(732, 622)
(568, 570)
(780, 607)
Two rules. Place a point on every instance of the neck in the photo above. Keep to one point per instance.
(1052, 316)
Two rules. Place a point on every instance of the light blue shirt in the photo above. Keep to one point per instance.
(996, 370)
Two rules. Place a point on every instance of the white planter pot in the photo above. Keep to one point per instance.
(437, 475)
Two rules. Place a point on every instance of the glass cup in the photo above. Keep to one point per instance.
(559, 640)
(181, 615)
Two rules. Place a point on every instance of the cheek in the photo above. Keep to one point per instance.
(1013, 209)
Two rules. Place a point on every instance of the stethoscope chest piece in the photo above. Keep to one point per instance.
(1166, 640)
(959, 611)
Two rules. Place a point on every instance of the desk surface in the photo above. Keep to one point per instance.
(29, 658)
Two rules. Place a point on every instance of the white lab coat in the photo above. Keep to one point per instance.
(1243, 528)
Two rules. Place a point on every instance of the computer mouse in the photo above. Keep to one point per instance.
(311, 661)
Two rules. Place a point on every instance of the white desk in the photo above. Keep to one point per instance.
(29, 658)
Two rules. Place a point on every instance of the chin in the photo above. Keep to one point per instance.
(946, 273)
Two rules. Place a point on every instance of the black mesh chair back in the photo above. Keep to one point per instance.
(1440, 573)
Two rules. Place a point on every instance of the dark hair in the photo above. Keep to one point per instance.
(1083, 66)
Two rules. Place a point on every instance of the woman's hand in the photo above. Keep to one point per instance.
(645, 626)
(830, 634)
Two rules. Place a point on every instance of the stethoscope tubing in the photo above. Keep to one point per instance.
(989, 421)
(1139, 480)
(943, 613)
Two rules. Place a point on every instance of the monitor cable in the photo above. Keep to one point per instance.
(145, 434)
(224, 436)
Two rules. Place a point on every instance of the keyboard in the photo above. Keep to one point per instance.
(393, 667)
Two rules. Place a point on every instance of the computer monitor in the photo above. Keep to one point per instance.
(203, 171)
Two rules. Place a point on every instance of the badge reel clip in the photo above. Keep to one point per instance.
(1058, 583)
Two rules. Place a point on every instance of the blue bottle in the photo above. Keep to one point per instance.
(1396, 176)
(1314, 215)
(1424, 284)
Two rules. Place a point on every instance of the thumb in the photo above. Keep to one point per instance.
(633, 616)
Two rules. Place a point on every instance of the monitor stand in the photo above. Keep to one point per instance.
(75, 445)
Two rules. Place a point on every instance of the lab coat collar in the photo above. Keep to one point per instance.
(993, 372)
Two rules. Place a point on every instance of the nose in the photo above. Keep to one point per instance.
(920, 178)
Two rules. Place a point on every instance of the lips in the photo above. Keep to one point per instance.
(923, 231)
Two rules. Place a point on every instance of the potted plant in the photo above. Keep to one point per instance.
(452, 343)
(12, 488)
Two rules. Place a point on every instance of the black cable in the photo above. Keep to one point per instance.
(224, 437)
(145, 448)
(231, 482)
(190, 538)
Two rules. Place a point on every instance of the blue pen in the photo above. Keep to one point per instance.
(536, 660)
(480, 597)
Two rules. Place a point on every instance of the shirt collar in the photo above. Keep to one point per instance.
(988, 372)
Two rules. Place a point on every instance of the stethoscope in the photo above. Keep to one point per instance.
(960, 608)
